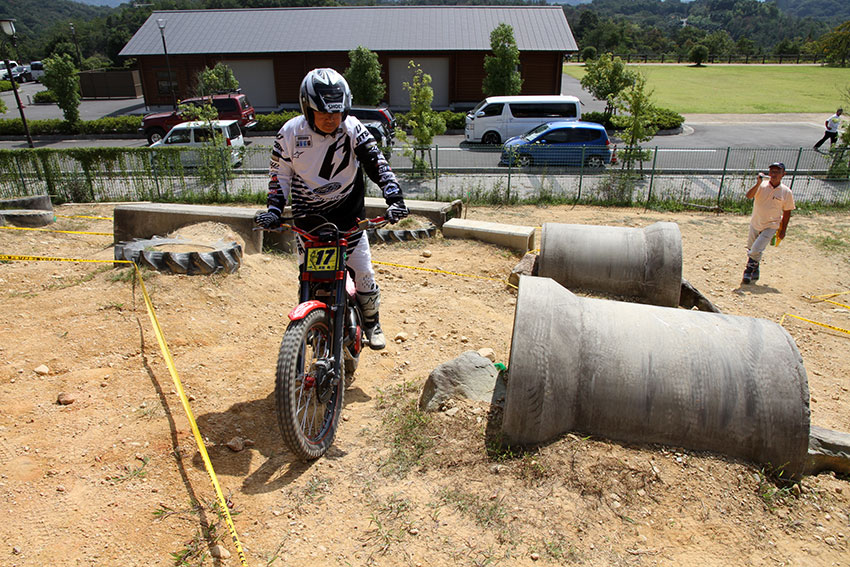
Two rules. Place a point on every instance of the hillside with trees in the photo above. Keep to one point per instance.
(746, 27)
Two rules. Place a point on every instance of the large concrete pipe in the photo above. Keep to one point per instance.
(635, 262)
(648, 374)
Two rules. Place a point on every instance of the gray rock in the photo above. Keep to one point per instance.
(526, 267)
(219, 552)
(468, 376)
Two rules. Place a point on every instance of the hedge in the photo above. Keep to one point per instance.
(108, 125)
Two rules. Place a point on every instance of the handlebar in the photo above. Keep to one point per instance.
(362, 225)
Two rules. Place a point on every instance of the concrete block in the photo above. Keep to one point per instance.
(510, 236)
(437, 212)
(144, 220)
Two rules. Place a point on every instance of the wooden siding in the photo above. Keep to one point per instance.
(541, 72)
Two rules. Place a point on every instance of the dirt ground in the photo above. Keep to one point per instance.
(115, 477)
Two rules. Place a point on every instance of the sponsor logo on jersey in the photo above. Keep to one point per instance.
(327, 188)
(303, 141)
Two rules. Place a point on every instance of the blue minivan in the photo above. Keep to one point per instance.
(560, 144)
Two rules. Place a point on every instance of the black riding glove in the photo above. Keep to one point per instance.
(396, 212)
(267, 219)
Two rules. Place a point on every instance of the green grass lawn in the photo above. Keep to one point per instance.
(743, 89)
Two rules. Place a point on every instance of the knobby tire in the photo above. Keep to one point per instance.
(308, 426)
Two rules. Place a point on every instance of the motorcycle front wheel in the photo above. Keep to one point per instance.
(308, 404)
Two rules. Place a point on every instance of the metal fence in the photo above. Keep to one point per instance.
(702, 176)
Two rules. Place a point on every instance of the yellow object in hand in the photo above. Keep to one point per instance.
(775, 240)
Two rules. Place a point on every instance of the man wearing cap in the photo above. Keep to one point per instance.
(772, 206)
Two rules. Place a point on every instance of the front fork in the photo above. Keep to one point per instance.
(338, 315)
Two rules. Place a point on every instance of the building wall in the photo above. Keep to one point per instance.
(541, 72)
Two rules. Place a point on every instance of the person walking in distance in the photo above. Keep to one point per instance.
(316, 161)
(772, 206)
(832, 123)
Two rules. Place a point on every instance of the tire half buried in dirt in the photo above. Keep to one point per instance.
(400, 235)
(192, 258)
(30, 218)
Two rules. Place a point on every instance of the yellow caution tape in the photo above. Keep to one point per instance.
(839, 329)
(51, 230)
(83, 217)
(53, 259)
(433, 270)
(169, 361)
(195, 431)
(836, 303)
(830, 295)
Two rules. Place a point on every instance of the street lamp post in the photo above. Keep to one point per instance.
(9, 29)
(77, 45)
(161, 23)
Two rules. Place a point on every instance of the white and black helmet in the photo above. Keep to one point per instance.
(324, 90)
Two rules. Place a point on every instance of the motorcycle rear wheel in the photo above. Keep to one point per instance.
(307, 412)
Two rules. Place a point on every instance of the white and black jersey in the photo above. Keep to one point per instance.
(321, 173)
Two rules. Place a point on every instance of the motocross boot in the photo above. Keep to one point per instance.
(369, 304)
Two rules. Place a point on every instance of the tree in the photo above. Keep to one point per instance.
(605, 78)
(501, 74)
(60, 77)
(836, 44)
(219, 79)
(637, 122)
(588, 53)
(422, 120)
(364, 77)
(698, 54)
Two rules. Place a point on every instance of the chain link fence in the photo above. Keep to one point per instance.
(708, 177)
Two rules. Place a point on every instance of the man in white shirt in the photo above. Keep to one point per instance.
(832, 123)
(772, 206)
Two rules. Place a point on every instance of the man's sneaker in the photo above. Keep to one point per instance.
(375, 336)
(756, 273)
(752, 268)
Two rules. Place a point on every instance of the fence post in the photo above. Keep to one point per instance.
(796, 165)
(436, 172)
(21, 175)
(152, 157)
(651, 178)
(723, 176)
(511, 158)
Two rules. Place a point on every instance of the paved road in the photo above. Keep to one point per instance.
(700, 131)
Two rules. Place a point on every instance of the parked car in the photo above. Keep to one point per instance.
(380, 114)
(379, 132)
(37, 70)
(560, 143)
(22, 73)
(198, 134)
(498, 118)
(231, 106)
(4, 73)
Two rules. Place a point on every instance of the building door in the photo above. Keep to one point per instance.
(256, 79)
(437, 67)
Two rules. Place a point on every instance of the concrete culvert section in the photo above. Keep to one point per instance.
(648, 374)
(635, 262)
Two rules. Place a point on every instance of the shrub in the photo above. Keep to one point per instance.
(454, 120)
(588, 53)
(666, 119)
(5, 86)
(46, 96)
(273, 121)
(599, 118)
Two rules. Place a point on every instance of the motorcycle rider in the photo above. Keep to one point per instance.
(316, 161)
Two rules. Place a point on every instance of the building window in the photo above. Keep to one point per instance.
(163, 85)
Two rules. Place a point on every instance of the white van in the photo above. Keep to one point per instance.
(497, 118)
(197, 134)
(37, 70)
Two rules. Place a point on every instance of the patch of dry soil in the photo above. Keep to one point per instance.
(113, 478)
